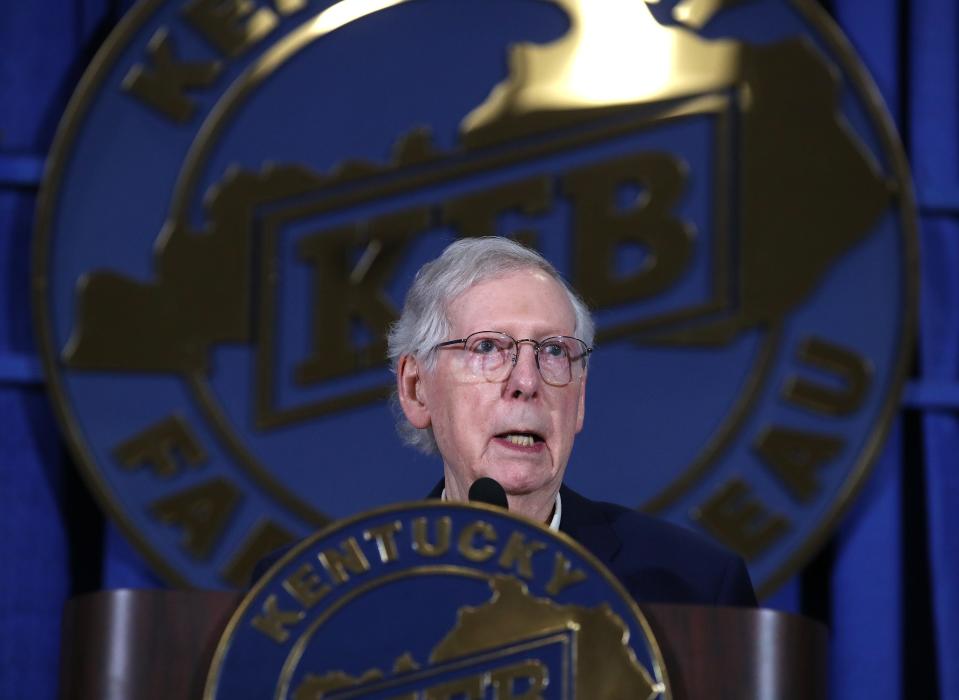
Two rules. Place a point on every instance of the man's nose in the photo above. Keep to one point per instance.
(524, 379)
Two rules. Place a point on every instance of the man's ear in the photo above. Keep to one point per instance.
(412, 392)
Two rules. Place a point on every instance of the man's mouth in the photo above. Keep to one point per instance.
(521, 439)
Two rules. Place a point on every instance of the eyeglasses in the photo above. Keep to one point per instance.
(491, 355)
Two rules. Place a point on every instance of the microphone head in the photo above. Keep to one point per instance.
(487, 490)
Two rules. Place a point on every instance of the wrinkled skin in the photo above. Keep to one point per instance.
(470, 417)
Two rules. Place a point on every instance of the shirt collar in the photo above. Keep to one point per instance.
(557, 511)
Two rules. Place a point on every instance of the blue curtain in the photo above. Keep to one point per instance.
(933, 138)
(887, 584)
(42, 51)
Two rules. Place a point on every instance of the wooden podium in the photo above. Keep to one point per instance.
(155, 644)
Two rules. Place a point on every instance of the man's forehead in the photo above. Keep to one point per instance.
(530, 298)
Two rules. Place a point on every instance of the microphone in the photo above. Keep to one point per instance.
(487, 490)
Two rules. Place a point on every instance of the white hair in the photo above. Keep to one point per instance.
(424, 321)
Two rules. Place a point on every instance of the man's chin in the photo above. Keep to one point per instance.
(522, 482)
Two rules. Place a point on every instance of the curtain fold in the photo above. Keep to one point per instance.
(35, 579)
(41, 51)
(934, 149)
(866, 645)
(940, 338)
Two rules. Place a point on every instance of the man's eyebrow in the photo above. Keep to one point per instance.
(539, 338)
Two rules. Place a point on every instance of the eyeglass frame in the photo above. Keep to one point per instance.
(537, 344)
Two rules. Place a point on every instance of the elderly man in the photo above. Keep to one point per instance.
(491, 355)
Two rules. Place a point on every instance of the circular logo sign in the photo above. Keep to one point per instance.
(239, 197)
(437, 601)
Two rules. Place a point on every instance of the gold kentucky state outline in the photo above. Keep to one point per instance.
(809, 189)
(605, 666)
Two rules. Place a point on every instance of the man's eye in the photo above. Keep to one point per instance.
(555, 350)
(484, 346)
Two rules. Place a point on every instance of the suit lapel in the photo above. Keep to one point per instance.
(586, 523)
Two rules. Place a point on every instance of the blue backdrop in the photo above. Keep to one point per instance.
(887, 583)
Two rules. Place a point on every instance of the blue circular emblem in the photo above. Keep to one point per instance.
(239, 196)
(437, 600)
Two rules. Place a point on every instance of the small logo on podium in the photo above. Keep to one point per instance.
(438, 601)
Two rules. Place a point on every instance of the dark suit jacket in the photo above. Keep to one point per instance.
(656, 561)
